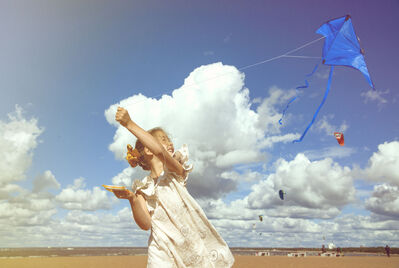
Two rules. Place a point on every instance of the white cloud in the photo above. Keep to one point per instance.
(239, 215)
(384, 201)
(128, 175)
(329, 152)
(324, 125)
(78, 228)
(27, 209)
(125, 177)
(383, 165)
(80, 217)
(287, 138)
(75, 198)
(18, 138)
(7, 190)
(316, 189)
(46, 180)
(236, 223)
(238, 157)
(19, 206)
(374, 95)
(247, 176)
(268, 113)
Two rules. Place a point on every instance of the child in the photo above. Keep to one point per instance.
(181, 235)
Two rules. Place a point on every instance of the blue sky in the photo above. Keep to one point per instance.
(66, 65)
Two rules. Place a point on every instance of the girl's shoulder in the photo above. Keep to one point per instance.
(145, 185)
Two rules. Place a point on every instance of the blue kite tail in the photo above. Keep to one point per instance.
(321, 104)
(296, 93)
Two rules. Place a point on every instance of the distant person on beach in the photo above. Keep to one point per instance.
(388, 250)
(181, 235)
(323, 249)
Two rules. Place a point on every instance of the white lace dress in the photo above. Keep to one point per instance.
(181, 234)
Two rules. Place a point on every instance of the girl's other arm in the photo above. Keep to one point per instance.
(140, 212)
(139, 208)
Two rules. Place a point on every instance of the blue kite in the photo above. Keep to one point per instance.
(341, 47)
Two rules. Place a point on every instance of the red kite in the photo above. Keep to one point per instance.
(340, 138)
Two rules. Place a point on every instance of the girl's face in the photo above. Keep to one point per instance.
(165, 141)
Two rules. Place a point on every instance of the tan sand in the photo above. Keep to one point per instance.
(241, 262)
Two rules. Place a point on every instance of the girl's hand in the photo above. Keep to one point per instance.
(122, 116)
(178, 156)
(123, 194)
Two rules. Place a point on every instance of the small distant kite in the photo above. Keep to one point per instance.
(281, 193)
(261, 217)
(340, 138)
(341, 48)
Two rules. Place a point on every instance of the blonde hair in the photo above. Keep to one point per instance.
(139, 148)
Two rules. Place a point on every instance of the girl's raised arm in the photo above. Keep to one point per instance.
(123, 117)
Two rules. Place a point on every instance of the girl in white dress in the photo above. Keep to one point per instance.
(181, 234)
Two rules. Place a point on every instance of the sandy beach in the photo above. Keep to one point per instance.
(241, 262)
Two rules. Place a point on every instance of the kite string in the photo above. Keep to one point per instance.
(282, 55)
(285, 55)
(302, 57)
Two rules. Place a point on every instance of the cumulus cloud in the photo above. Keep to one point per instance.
(317, 189)
(19, 206)
(287, 138)
(20, 214)
(7, 190)
(383, 165)
(18, 139)
(238, 215)
(384, 201)
(124, 178)
(237, 222)
(73, 197)
(268, 113)
(238, 157)
(44, 181)
(31, 215)
(27, 208)
(247, 176)
(128, 175)
(78, 228)
(211, 112)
